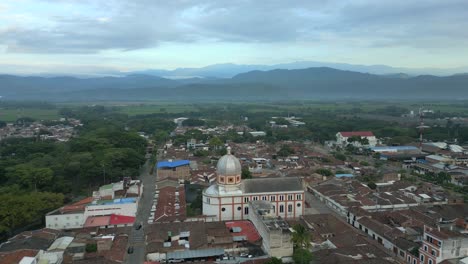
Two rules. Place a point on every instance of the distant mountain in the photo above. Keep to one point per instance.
(11, 85)
(229, 70)
(312, 83)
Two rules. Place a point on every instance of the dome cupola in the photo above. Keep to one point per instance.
(229, 169)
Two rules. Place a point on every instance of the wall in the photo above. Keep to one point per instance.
(65, 221)
(128, 209)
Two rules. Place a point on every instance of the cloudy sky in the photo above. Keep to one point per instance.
(106, 35)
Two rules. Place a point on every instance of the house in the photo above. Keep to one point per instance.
(275, 232)
(441, 244)
(354, 138)
(179, 169)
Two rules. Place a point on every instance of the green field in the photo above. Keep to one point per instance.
(11, 114)
(143, 109)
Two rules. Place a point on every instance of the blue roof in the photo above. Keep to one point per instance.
(172, 164)
(341, 175)
(115, 201)
(395, 148)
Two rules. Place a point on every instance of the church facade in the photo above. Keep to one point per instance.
(228, 198)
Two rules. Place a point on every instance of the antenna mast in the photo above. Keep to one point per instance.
(421, 127)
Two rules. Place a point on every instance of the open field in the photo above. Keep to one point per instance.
(11, 114)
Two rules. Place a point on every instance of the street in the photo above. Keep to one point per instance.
(137, 237)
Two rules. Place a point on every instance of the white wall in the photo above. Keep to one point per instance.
(128, 209)
(65, 221)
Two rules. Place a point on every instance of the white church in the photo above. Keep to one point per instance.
(228, 198)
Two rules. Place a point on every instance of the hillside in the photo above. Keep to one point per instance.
(310, 83)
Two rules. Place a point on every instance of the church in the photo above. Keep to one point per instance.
(228, 198)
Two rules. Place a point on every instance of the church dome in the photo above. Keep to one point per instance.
(229, 165)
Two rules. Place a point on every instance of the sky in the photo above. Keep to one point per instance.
(102, 36)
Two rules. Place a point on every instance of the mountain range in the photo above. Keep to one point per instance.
(228, 70)
(321, 83)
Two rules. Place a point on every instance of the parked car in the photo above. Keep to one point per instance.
(130, 250)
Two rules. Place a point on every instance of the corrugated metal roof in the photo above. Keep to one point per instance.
(239, 238)
(341, 175)
(172, 164)
(61, 243)
(200, 253)
(236, 229)
(394, 148)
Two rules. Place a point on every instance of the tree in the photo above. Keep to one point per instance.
(91, 248)
(324, 172)
(372, 185)
(300, 237)
(191, 122)
(285, 151)
(246, 174)
(215, 142)
(302, 256)
(274, 260)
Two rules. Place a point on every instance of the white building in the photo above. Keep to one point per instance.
(228, 198)
(103, 202)
(59, 219)
(343, 137)
(275, 232)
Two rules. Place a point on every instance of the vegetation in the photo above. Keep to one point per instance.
(91, 248)
(285, 151)
(300, 236)
(246, 174)
(324, 172)
(302, 256)
(274, 260)
(372, 185)
(39, 176)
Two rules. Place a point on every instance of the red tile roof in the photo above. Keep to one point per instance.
(248, 230)
(357, 133)
(16, 256)
(121, 219)
(93, 221)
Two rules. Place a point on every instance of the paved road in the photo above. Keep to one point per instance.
(137, 237)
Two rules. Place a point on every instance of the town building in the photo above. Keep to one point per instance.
(229, 197)
(176, 169)
(345, 138)
(441, 244)
(116, 199)
(275, 232)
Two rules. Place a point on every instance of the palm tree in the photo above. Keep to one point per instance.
(300, 237)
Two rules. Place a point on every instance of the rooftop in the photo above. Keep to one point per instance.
(263, 185)
(172, 164)
(357, 134)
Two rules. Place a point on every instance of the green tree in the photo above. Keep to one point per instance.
(274, 260)
(302, 256)
(91, 248)
(215, 143)
(372, 185)
(324, 172)
(246, 174)
(285, 151)
(300, 237)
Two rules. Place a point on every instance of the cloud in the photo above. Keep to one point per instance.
(140, 24)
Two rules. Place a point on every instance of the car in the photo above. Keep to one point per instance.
(130, 250)
(138, 226)
(244, 255)
(250, 256)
